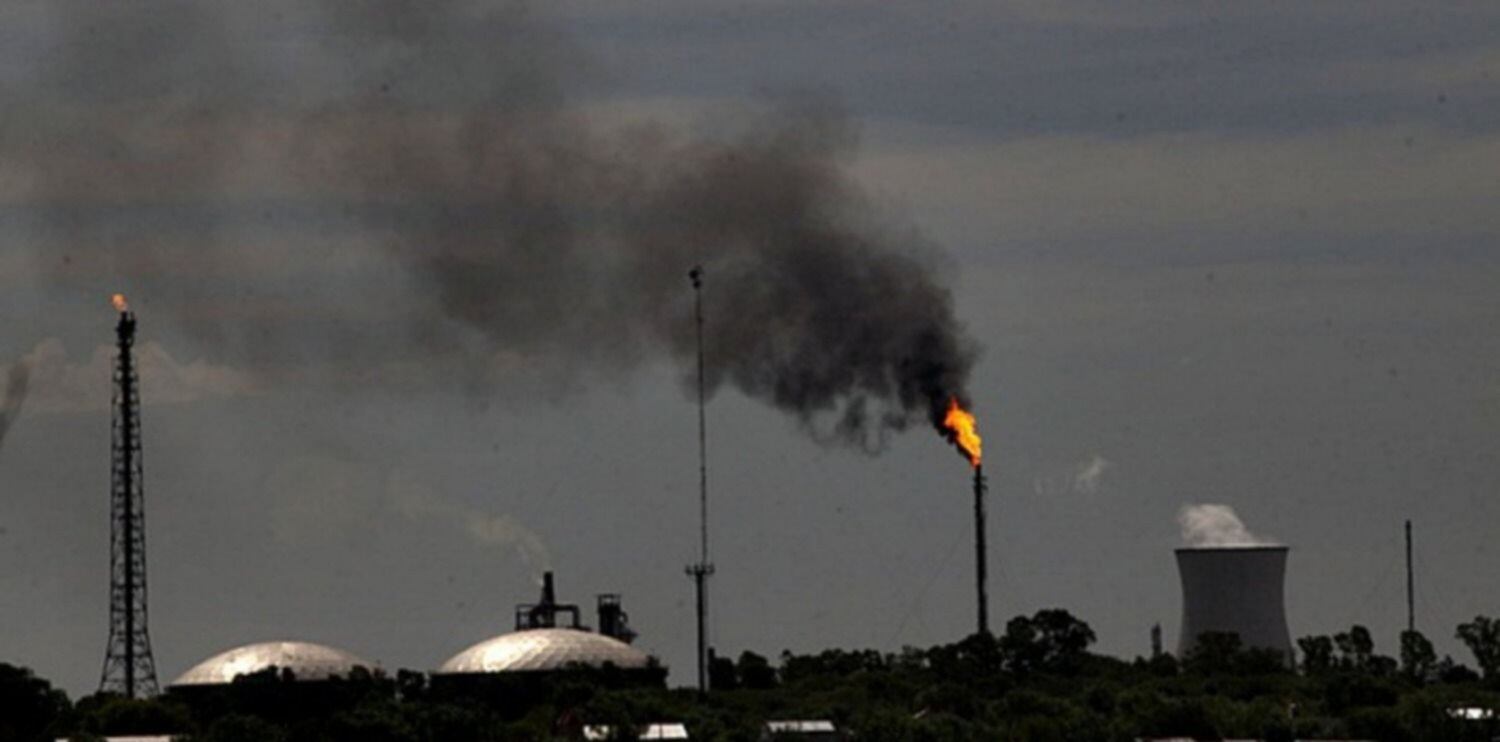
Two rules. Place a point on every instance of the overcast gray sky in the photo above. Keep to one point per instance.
(1238, 254)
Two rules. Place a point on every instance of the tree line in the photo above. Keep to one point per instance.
(1036, 680)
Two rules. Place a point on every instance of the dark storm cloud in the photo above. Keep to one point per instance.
(1015, 69)
(487, 214)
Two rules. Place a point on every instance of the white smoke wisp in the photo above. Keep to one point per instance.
(1216, 526)
(1084, 477)
(504, 531)
(481, 527)
(1089, 474)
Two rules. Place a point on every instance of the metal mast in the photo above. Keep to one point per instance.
(703, 568)
(128, 667)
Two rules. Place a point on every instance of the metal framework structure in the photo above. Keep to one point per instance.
(703, 568)
(128, 666)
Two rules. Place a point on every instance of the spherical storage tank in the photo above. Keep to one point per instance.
(545, 650)
(512, 671)
(1234, 589)
(305, 660)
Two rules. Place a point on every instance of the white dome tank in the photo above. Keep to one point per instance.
(545, 650)
(306, 661)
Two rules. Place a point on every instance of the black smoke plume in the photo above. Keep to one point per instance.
(435, 150)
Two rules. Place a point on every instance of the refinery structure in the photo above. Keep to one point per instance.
(1225, 589)
(1235, 590)
(542, 643)
(549, 638)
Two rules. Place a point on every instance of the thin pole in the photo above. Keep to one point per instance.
(979, 550)
(700, 578)
(697, 276)
(701, 570)
(1411, 604)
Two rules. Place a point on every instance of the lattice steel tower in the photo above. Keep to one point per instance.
(128, 667)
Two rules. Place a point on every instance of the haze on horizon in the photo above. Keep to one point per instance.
(1242, 257)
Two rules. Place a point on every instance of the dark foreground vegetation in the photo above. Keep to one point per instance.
(1036, 681)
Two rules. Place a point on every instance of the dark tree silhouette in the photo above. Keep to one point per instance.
(29, 706)
(1317, 654)
(1482, 637)
(1418, 658)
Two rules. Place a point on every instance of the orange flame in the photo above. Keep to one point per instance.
(120, 304)
(961, 428)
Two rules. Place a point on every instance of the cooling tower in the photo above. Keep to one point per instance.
(1234, 589)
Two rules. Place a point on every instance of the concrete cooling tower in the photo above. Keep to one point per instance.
(1234, 589)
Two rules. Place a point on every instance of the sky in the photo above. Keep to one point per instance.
(414, 315)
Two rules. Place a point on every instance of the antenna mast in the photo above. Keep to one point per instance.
(128, 666)
(703, 568)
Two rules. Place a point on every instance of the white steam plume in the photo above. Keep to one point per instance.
(1215, 526)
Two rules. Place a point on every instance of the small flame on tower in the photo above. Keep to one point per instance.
(121, 305)
(961, 429)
